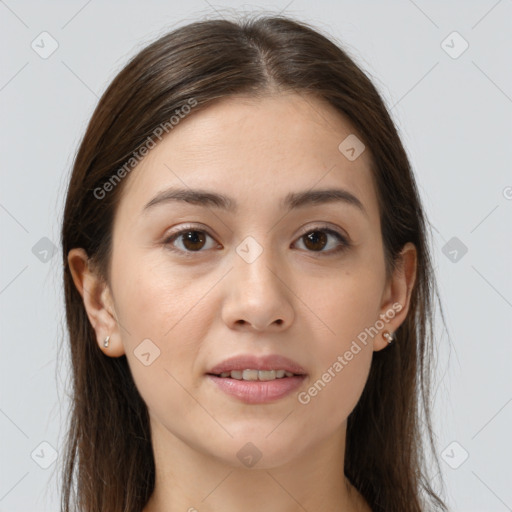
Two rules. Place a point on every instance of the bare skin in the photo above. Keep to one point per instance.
(302, 300)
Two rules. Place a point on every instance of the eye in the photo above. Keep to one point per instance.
(191, 240)
(317, 239)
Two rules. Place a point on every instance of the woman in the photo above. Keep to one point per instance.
(248, 284)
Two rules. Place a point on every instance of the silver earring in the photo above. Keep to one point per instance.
(388, 336)
(105, 343)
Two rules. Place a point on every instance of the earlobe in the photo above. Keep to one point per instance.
(97, 301)
(397, 296)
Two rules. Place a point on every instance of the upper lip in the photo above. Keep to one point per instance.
(251, 362)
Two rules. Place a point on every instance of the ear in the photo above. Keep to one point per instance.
(397, 294)
(98, 302)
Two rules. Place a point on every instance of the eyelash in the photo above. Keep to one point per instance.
(344, 244)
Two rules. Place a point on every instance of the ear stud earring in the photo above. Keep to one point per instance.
(388, 336)
(105, 343)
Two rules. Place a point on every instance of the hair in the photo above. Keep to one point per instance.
(108, 450)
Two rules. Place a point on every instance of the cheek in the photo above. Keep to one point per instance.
(164, 322)
(342, 364)
(155, 299)
(347, 303)
(348, 306)
(333, 393)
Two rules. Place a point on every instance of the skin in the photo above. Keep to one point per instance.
(203, 309)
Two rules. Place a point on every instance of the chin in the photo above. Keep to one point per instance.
(259, 451)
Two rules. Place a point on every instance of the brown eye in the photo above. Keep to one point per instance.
(316, 240)
(192, 240)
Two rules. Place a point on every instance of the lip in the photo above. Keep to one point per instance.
(251, 362)
(258, 392)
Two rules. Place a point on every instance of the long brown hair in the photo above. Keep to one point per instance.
(108, 454)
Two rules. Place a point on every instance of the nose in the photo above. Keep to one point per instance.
(258, 296)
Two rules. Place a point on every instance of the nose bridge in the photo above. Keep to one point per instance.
(257, 264)
(257, 294)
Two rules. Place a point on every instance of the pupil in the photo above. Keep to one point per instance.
(314, 238)
(193, 237)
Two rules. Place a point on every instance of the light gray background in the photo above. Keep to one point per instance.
(455, 118)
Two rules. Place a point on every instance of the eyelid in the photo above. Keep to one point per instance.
(187, 227)
(324, 227)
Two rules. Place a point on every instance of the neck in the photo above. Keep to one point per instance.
(192, 481)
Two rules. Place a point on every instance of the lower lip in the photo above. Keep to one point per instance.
(256, 391)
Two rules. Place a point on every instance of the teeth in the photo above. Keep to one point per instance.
(256, 374)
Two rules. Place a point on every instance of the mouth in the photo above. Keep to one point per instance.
(252, 367)
(256, 375)
(256, 386)
(257, 379)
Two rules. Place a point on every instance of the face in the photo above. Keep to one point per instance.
(195, 282)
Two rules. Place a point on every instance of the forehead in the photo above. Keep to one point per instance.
(254, 147)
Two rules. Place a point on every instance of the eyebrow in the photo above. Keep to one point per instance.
(293, 200)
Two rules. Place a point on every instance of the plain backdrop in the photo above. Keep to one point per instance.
(444, 71)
